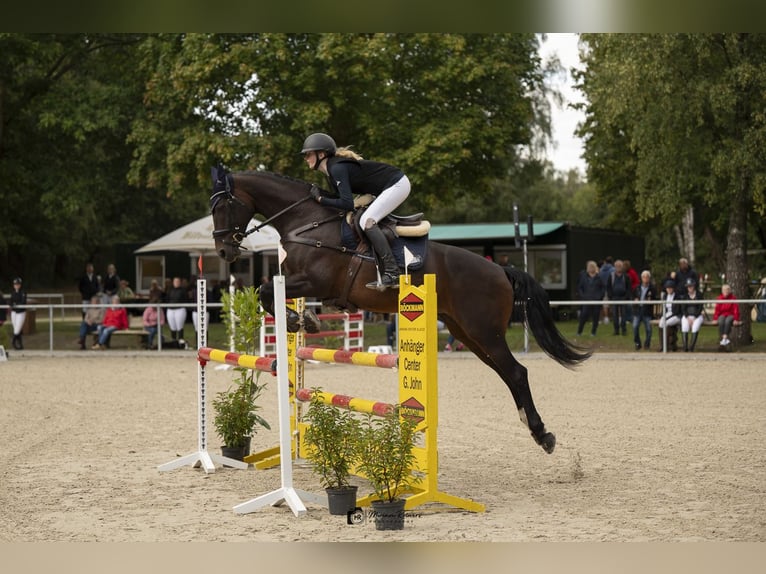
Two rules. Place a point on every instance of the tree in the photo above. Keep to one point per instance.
(453, 110)
(678, 121)
(67, 103)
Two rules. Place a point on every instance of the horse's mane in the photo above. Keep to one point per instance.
(272, 175)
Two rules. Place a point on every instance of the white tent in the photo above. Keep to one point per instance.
(197, 237)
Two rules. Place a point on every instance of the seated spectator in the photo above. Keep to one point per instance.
(115, 318)
(691, 314)
(726, 314)
(94, 314)
(153, 318)
(670, 318)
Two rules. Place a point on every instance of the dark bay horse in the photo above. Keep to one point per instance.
(475, 296)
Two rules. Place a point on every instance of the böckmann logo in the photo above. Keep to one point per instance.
(413, 410)
(411, 306)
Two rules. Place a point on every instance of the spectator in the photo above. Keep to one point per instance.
(88, 286)
(125, 292)
(691, 314)
(155, 288)
(153, 318)
(726, 314)
(115, 318)
(177, 295)
(632, 273)
(605, 270)
(451, 341)
(111, 285)
(645, 292)
(670, 317)
(589, 288)
(634, 282)
(618, 289)
(684, 272)
(18, 313)
(94, 315)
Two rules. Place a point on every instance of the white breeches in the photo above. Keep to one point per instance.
(691, 323)
(17, 320)
(388, 200)
(672, 321)
(176, 318)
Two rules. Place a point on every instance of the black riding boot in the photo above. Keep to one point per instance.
(174, 335)
(18, 342)
(389, 275)
(685, 338)
(694, 341)
(673, 338)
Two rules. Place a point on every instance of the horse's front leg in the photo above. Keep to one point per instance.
(295, 321)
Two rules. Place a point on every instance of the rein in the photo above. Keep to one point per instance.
(292, 237)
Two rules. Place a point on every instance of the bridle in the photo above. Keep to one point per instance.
(239, 232)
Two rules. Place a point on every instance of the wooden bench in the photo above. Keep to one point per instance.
(135, 329)
(705, 323)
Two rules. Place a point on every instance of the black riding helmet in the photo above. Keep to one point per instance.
(319, 142)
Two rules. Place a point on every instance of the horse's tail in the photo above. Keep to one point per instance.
(534, 307)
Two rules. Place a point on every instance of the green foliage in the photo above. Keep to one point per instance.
(453, 110)
(386, 455)
(333, 439)
(236, 408)
(678, 121)
(236, 418)
(242, 316)
(68, 105)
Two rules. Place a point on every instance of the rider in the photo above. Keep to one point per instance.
(348, 174)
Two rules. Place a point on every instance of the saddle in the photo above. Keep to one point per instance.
(393, 226)
(410, 231)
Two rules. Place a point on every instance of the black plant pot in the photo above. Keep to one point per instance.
(388, 515)
(341, 501)
(236, 452)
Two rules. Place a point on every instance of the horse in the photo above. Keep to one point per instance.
(476, 297)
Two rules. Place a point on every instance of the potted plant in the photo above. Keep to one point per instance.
(387, 459)
(332, 441)
(236, 418)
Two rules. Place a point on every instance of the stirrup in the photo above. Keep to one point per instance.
(387, 281)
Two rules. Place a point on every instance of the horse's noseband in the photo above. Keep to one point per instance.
(236, 231)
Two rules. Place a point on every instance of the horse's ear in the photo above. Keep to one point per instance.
(218, 175)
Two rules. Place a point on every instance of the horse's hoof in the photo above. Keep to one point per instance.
(293, 321)
(311, 323)
(547, 441)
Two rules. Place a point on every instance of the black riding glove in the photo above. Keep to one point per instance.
(316, 193)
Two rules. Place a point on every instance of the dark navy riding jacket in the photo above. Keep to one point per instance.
(348, 177)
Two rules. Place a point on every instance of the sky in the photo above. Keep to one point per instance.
(567, 148)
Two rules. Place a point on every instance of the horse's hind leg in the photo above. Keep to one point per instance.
(514, 374)
(495, 353)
